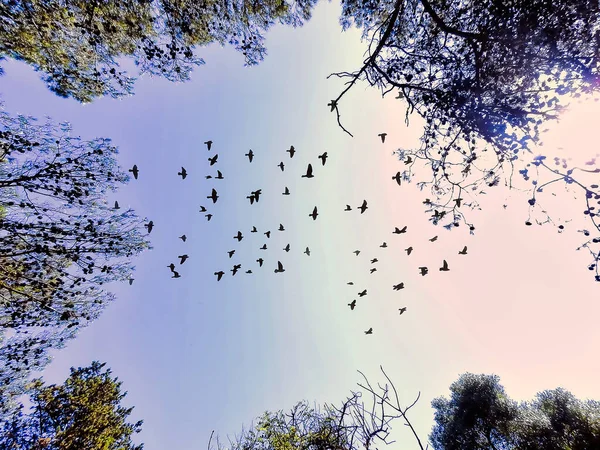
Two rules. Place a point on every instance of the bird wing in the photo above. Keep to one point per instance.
(279, 265)
(364, 204)
(309, 170)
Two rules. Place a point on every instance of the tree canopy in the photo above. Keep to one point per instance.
(85, 412)
(60, 241)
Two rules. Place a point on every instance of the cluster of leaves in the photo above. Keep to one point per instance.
(84, 412)
(60, 241)
(77, 44)
(484, 75)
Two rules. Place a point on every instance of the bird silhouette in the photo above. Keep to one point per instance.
(286, 192)
(251, 198)
(398, 178)
(213, 160)
(423, 270)
(267, 234)
(264, 247)
(202, 209)
(248, 271)
(408, 160)
(348, 208)
(131, 281)
(402, 310)
(314, 214)
(209, 144)
(433, 239)
(384, 245)
(369, 331)
(183, 237)
(117, 205)
(231, 253)
(208, 177)
(281, 227)
(208, 217)
(291, 151)
(253, 230)
(350, 283)
(176, 274)
(458, 202)
(149, 226)
(408, 250)
(333, 105)
(382, 136)
(134, 170)
(400, 231)
(250, 155)
(363, 207)
(374, 269)
(307, 251)
(182, 258)
(260, 262)
(235, 269)
(356, 252)
(374, 260)
(213, 196)
(397, 287)
(219, 175)
(171, 266)
(239, 236)
(323, 158)
(219, 275)
(309, 172)
(287, 248)
(463, 251)
(279, 267)
(281, 166)
(444, 267)
(256, 194)
(183, 173)
(352, 305)
(363, 293)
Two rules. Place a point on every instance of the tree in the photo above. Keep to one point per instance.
(77, 44)
(84, 412)
(60, 241)
(484, 75)
(479, 415)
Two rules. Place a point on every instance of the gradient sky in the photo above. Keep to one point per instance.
(197, 355)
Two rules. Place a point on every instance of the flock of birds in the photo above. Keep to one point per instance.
(254, 196)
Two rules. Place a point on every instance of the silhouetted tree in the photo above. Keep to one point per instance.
(484, 75)
(84, 412)
(60, 241)
(76, 44)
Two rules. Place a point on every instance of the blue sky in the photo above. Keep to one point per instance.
(197, 355)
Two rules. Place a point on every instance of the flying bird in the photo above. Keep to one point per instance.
(279, 267)
(309, 172)
(356, 252)
(291, 151)
(281, 227)
(250, 155)
(463, 251)
(399, 231)
(350, 283)
(264, 247)
(398, 178)
(267, 234)
(219, 275)
(397, 287)
(281, 165)
(208, 217)
(374, 260)
(171, 266)
(363, 293)
(423, 270)
(363, 207)
(444, 267)
(256, 194)
(182, 258)
(348, 208)
(131, 281)
(251, 198)
(433, 239)
(176, 274)
(382, 136)
(248, 271)
(235, 269)
(458, 202)
(183, 173)
(260, 262)
(402, 310)
(253, 230)
(287, 248)
(369, 331)
(384, 245)
(374, 269)
(323, 158)
(314, 214)
(213, 160)
(117, 205)
(209, 144)
(213, 196)
(239, 236)
(208, 177)
(149, 226)
(408, 250)
(219, 175)
(183, 237)
(408, 160)
(202, 209)
(231, 253)
(134, 170)
(307, 251)
(352, 304)
(286, 192)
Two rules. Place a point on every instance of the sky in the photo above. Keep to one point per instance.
(198, 355)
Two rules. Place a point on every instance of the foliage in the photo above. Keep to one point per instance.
(479, 415)
(84, 412)
(484, 75)
(60, 241)
(77, 44)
